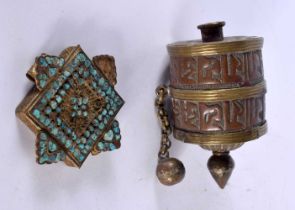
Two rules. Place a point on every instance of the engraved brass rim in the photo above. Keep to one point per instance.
(228, 45)
(220, 94)
(220, 138)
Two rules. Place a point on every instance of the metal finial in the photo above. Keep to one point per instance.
(221, 165)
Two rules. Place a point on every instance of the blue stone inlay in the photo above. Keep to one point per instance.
(51, 102)
(47, 150)
(36, 113)
(52, 71)
(108, 136)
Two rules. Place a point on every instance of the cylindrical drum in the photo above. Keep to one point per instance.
(217, 89)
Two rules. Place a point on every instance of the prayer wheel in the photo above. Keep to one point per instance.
(217, 92)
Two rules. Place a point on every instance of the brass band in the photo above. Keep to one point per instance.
(220, 94)
(228, 45)
(220, 138)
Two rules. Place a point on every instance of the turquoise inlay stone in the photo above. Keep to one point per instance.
(68, 143)
(55, 85)
(42, 119)
(74, 100)
(62, 92)
(94, 85)
(60, 135)
(63, 139)
(43, 136)
(67, 73)
(93, 72)
(81, 146)
(104, 112)
(48, 110)
(85, 151)
(86, 74)
(95, 122)
(91, 128)
(53, 104)
(81, 57)
(87, 63)
(58, 121)
(117, 130)
(117, 136)
(94, 137)
(36, 113)
(109, 91)
(101, 126)
(58, 99)
(69, 131)
(72, 149)
(43, 62)
(101, 81)
(101, 146)
(108, 136)
(78, 140)
(85, 100)
(43, 101)
(83, 140)
(52, 71)
(81, 70)
(50, 126)
(112, 146)
(67, 86)
(81, 157)
(105, 86)
(54, 131)
(74, 136)
(42, 83)
(61, 62)
(74, 114)
(42, 143)
(58, 109)
(87, 134)
(49, 59)
(111, 112)
(52, 146)
(48, 94)
(77, 153)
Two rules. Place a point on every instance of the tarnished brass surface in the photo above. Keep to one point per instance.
(217, 138)
(221, 165)
(170, 171)
(219, 94)
(229, 44)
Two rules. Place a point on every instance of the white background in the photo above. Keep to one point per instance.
(136, 33)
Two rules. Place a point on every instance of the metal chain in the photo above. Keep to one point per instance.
(162, 92)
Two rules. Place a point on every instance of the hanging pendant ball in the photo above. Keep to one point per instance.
(170, 171)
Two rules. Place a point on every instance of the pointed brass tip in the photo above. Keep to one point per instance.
(221, 165)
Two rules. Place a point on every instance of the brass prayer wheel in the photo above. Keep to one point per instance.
(217, 90)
